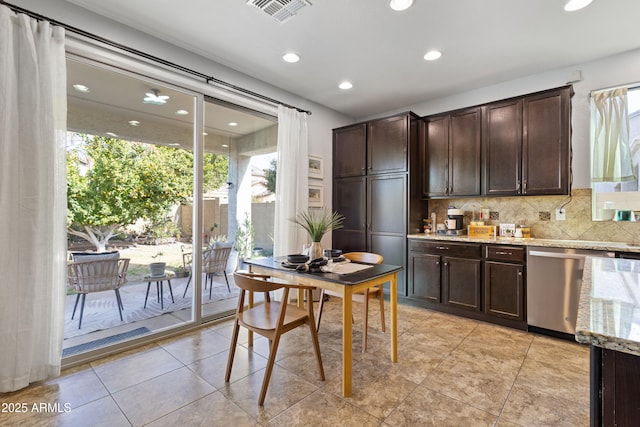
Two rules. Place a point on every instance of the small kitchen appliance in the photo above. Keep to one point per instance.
(455, 221)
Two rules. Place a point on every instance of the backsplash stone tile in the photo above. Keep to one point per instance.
(528, 209)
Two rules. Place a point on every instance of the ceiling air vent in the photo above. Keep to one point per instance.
(280, 10)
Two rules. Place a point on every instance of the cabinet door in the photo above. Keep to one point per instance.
(504, 290)
(387, 196)
(546, 141)
(424, 277)
(350, 151)
(349, 199)
(387, 141)
(435, 179)
(502, 138)
(464, 153)
(461, 282)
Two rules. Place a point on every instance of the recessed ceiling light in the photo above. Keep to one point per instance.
(81, 88)
(134, 122)
(112, 134)
(345, 85)
(225, 145)
(432, 55)
(205, 133)
(232, 124)
(400, 5)
(291, 57)
(573, 5)
(155, 99)
(182, 112)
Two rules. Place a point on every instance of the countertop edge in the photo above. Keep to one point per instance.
(584, 333)
(552, 243)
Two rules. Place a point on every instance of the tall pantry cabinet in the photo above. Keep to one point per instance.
(376, 187)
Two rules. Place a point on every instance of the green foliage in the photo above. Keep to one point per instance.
(317, 222)
(270, 175)
(244, 238)
(112, 183)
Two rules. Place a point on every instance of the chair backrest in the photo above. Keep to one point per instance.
(97, 275)
(214, 260)
(365, 257)
(247, 282)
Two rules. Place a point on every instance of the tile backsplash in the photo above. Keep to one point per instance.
(539, 213)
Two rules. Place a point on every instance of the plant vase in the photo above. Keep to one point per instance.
(315, 251)
(157, 269)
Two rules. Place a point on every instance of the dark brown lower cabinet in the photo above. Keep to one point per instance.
(462, 282)
(480, 281)
(615, 387)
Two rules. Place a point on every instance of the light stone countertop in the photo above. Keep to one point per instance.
(609, 310)
(550, 243)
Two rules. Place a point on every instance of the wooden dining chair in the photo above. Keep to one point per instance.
(271, 319)
(363, 297)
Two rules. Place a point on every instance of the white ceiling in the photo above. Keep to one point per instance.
(484, 42)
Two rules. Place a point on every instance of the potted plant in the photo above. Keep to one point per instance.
(244, 240)
(317, 223)
(157, 268)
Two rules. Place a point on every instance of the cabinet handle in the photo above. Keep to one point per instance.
(445, 264)
(437, 262)
(503, 253)
(442, 248)
(524, 186)
(518, 186)
(520, 273)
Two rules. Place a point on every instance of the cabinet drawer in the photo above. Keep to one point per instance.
(461, 250)
(505, 253)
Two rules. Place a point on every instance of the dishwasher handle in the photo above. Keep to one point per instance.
(561, 255)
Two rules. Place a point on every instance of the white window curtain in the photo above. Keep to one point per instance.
(610, 136)
(291, 180)
(33, 110)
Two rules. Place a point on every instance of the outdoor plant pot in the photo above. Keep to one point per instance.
(157, 269)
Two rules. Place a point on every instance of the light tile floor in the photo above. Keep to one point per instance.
(451, 372)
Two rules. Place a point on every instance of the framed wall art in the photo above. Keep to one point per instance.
(316, 196)
(315, 167)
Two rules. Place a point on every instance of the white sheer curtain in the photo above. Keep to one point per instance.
(610, 136)
(33, 109)
(291, 180)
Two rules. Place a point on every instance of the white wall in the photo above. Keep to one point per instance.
(602, 73)
(320, 123)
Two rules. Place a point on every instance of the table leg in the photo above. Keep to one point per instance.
(250, 303)
(393, 299)
(347, 342)
(161, 295)
(171, 291)
(145, 298)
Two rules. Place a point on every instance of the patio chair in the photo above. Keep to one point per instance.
(97, 276)
(214, 261)
(271, 319)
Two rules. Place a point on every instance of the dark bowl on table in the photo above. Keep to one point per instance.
(297, 259)
(332, 253)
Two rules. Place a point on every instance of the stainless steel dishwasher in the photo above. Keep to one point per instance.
(554, 279)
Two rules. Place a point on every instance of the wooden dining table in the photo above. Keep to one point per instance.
(346, 285)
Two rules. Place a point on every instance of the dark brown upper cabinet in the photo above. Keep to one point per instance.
(451, 153)
(387, 144)
(349, 151)
(526, 145)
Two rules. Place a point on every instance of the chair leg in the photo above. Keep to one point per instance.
(366, 320)
(314, 335)
(185, 289)
(84, 296)
(75, 306)
(119, 303)
(381, 298)
(267, 373)
(320, 306)
(227, 280)
(171, 291)
(232, 350)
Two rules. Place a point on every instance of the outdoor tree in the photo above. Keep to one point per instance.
(270, 175)
(112, 183)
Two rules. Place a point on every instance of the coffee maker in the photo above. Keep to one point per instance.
(455, 221)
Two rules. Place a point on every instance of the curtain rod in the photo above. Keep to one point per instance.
(208, 79)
